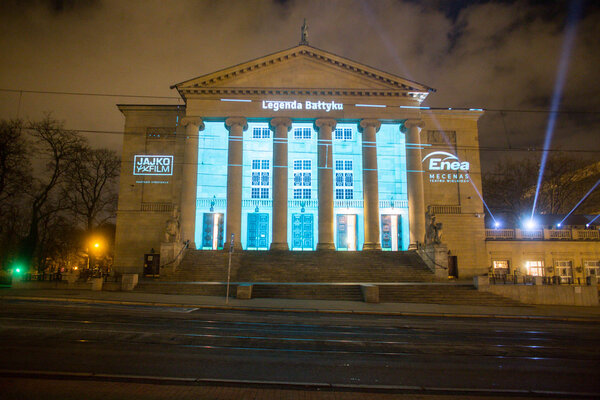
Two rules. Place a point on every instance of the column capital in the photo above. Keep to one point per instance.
(197, 121)
(368, 123)
(412, 123)
(232, 121)
(330, 122)
(281, 121)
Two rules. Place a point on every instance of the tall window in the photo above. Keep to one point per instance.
(302, 179)
(344, 180)
(535, 268)
(343, 134)
(261, 133)
(260, 179)
(592, 267)
(302, 133)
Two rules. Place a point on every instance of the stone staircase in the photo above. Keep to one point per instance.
(287, 266)
(403, 277)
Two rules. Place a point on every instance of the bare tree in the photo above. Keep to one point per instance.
(91, 185)
(14, 162)
(511, 187)
(58, 147)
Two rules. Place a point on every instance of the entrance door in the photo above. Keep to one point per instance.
(258, 231)
(212, 231)
(346, 232)
(453, 266)
(391, 232)
(302, 232)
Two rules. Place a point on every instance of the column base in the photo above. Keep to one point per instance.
(413, 246)
(192, 245)
(372, 247)
(325, 246)
(279, 246)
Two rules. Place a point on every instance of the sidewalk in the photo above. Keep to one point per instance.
(567, 313)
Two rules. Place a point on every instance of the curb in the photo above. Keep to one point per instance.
(311, 386)
(304, 310)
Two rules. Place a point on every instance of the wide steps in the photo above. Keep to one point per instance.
(284, 266)
(308, 292)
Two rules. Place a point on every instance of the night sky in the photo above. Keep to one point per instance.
(480, 54)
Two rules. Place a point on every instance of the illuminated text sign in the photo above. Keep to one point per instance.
(277, 105)
(446, 168)
(152, 165)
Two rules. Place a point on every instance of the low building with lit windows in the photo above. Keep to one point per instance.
(300, 150)
(562, 250)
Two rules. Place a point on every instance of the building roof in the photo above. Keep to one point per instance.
(289, 66)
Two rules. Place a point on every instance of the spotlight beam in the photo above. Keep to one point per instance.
(581, 201)
(561, 75)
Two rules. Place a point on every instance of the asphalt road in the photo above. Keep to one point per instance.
(486, 355)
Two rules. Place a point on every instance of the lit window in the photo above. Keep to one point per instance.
(302, 194)
(261, 133)
(302, 133)
(343, 134)
(344, 180)
(260, 179)
(535, 268)
(500, 266)
(302, 178)
(564, 270)
(592, 267)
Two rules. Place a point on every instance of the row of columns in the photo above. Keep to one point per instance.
(281, 127)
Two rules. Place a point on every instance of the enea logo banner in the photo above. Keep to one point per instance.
(152, 165)
(444, 167)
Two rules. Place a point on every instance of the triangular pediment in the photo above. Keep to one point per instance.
(302, 68)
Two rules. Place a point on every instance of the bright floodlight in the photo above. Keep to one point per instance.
(558, 225)
(496, 224)
(587, 225)
(530, 224)
(96, 245)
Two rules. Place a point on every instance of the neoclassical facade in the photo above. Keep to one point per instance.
(300, 150)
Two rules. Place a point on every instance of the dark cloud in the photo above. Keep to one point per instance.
(491, 54)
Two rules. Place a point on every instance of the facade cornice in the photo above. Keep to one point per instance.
(248, 91)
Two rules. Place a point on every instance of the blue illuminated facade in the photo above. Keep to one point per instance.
(257, 187)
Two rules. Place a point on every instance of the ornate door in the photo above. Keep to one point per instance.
(212, 231)
(391, 232)
(346, 231)
(302, 232)
(258, 231)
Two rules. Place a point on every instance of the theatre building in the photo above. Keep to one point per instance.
(300, 150)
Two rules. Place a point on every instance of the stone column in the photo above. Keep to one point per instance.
(236, 126)
(280, 182)
(189, 179)
(325, 174)
(369, 128)
(414, 172)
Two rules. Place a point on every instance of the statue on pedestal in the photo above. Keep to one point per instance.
(434, 229)
(304, 36)
(172, 227)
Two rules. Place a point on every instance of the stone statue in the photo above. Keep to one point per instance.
(172, 228)
(434, 229)
(304, 30)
